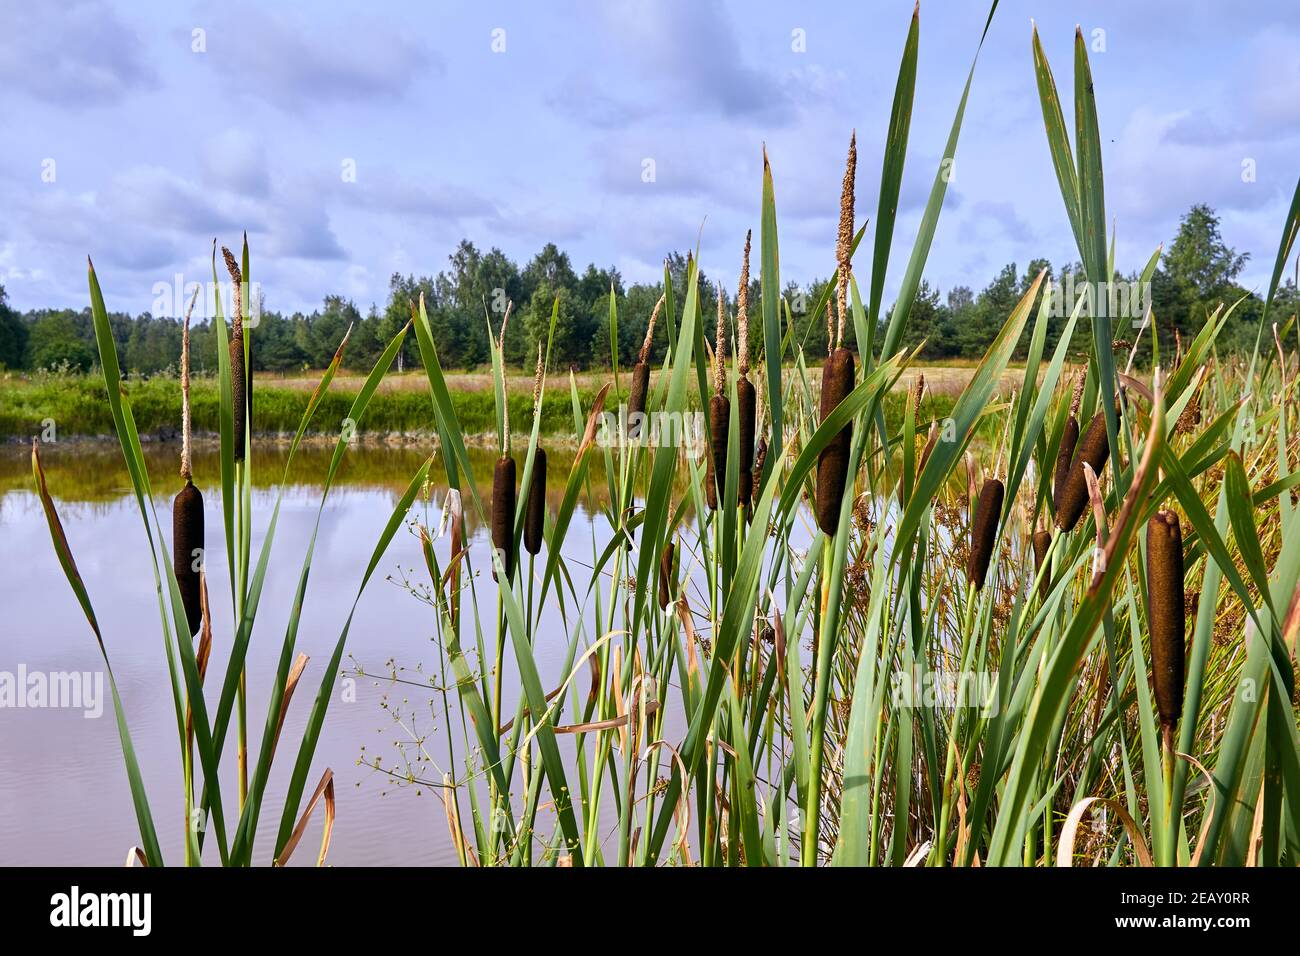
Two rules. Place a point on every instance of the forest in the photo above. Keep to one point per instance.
(1196, 271)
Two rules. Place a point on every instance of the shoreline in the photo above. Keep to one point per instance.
(373, 439)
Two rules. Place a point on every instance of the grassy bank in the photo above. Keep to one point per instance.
(77, 406)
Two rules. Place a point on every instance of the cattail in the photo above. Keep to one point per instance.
(833, 462)
(746, 397)
(746, 409)
(187, 547)
(535, 513)
(187, 506)
(503, 481)
(760, 459)
(719, 424)
(1167, 611)
(240, 397)
(636, 399)
(666, 576)
(984, 532)
(1093, 448)
(503, 513)
(1064, 456)
(1069, 441)
(1042, 542)
(719, 410)
(844, 237)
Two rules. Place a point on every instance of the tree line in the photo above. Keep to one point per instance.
(1197, 271)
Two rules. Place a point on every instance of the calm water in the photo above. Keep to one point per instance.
(64, 797)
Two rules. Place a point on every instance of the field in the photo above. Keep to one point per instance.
(400, 410)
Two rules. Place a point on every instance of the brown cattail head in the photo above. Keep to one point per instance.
(1064, 456)
(1093, 448)
(238, 395)
(503, 513)
(187, 551)
(1167, 611)
(760, 459)
(833, 462)
(746, 411)
(984, 532)
(535, 513)
(1042, 542)
(666, 583)
(719, 425)
(636, 398)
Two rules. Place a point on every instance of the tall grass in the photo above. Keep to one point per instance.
(807, 651)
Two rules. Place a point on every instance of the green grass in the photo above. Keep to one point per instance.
(75, 404)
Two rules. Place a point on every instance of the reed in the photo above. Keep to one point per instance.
(503, 513)
(667, 579)
(1094, 448)
(1166, 615)
(833, 461)
(719, 411)
(504, 478)
(746, 396)
(640, 390)
(984, 531)
(838, 368)
(535, 512)
(240, 384)
(187, 506)
(1065, 450)
(1042, 544)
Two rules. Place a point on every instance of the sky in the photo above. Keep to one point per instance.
(354, 140)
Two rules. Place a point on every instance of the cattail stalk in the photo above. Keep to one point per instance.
(503, 483)
(239, 393)
(719, 412)
(187, 506)
(984, 532)
(746, 397)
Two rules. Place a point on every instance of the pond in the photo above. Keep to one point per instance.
(64, 797)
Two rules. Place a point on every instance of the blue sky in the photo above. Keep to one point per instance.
(157, 148)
